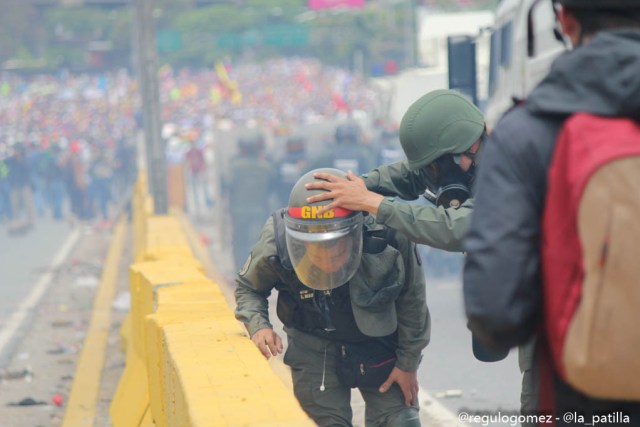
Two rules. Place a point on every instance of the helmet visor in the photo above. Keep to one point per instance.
(325, 254)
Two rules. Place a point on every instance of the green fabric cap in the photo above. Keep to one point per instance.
(441, 122)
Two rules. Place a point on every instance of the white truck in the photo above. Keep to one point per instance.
(523, 43)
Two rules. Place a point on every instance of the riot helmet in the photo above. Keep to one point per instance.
(349, 132)
(295, 144)
(251, 144)
(325, 250)
(390, 134)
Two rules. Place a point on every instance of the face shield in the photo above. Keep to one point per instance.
(325, 253)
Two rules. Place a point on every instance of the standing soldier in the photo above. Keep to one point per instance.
(389, 149)
(349, 153)
(5, 191)
(20, 184)
(197, 179)
(292, 166)
(249, 188)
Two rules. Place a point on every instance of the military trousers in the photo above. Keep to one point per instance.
(316, 386)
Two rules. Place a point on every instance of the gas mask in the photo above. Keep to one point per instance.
(446, 183)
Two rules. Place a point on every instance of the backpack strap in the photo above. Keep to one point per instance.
(375, 241)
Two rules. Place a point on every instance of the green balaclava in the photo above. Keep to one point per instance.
(441, 122)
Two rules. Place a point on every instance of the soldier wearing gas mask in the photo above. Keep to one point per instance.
(441, 134)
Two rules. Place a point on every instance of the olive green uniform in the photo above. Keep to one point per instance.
(312, 356)
(429, 225)
(250, 186)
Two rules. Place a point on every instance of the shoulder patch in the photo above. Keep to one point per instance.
(245, 267)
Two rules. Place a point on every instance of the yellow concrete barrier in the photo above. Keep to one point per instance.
(189, 362)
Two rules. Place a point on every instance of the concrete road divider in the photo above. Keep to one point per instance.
(189, 362)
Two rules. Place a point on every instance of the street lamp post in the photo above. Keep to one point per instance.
(148, 81)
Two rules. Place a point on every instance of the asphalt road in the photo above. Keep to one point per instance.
(450, 372)
(25, 260)
(23, 257)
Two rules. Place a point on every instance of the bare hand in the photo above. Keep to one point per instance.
(268, 342)
(347, 193)
(408, 382)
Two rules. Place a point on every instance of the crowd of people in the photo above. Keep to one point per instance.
(68, 142)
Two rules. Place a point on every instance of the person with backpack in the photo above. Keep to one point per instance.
(351, 296)
(552, 244)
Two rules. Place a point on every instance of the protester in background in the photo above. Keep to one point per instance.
(196, 179)
(503, 274)
(38, 157)
(125, 168)
(56, 182)
(77, 181)
(101, 173)
(5, 191)
(20, 186)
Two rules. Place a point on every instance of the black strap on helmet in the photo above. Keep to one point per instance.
(281, 238)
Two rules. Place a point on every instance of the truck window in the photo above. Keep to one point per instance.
(506, 38)
(494, 61)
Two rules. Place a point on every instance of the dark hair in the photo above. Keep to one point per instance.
(601, 19)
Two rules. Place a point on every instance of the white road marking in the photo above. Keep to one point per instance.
(31, 301)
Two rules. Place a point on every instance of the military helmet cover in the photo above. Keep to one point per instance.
(348, 132)
(295, 144)
(441, 122)
(252, 142)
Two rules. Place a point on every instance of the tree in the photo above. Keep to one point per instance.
(15, 29)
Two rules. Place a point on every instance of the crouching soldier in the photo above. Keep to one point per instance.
(351, 295)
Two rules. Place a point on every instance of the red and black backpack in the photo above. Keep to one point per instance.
(591, 256)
